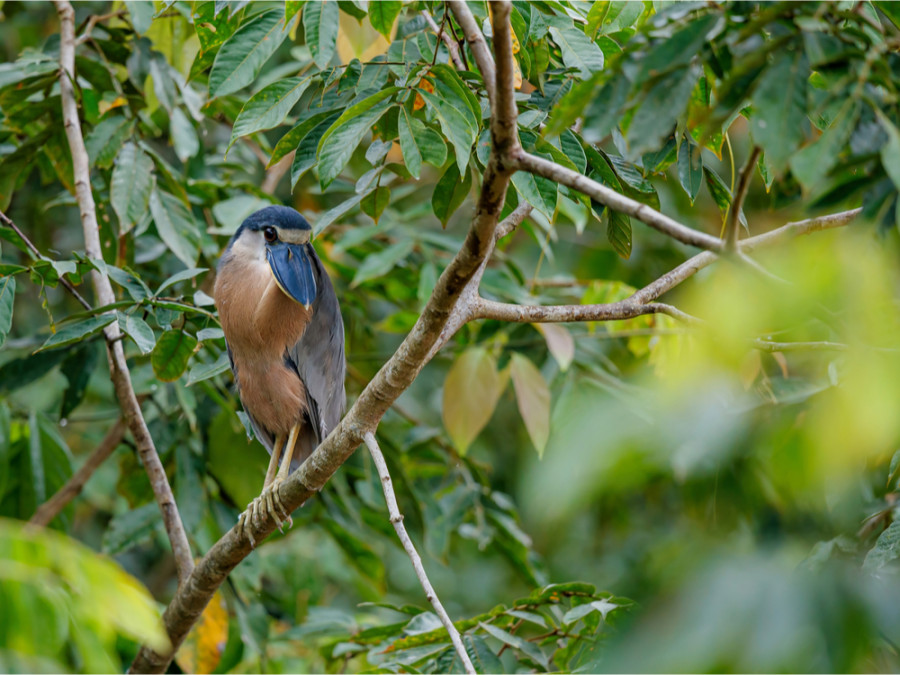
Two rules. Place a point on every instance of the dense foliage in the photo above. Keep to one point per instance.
(735, 480)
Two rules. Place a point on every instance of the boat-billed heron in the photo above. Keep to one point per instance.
(285, 339)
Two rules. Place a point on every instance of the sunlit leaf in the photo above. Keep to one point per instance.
(471, 391)
(533, 398)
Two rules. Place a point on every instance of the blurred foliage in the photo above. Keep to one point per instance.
(741, 492)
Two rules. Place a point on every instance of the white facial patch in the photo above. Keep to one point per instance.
(293, 236)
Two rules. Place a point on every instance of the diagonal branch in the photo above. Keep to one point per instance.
(614, 200)
(394, 377)
(737, 204)
(689, 268)
(47, 511)
(118, 368)
(397, 521)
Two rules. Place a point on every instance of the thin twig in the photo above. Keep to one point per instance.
(65, 283)
(276, 172)
(118, 367)
(737, 204)
(612, 311)
(51, 508)
(397, 522)
(509, 224)
(768, 346)
(452, 47)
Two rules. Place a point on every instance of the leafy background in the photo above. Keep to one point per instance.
(622, 496)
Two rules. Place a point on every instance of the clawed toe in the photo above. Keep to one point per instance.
(268, 504)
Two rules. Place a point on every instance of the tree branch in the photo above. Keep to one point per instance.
(737, 204)
(477, 44)
(47, 511)
(118, 367)
(613, 311)
(614, 200)
(689, 268)
(397, 522)
(452, 47)
(394, 377)
(509, 224)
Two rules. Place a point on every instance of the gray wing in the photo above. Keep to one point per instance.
(261, 434)
(318, 358)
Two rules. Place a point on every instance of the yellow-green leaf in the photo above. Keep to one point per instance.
(471, 391)
(533, 398)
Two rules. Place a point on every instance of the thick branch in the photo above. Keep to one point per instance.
(393, 378)
(737, 204)
(47, 511)
(397, 522)
(452, 47)
(477, 44)
(618, 202)
(118, 367)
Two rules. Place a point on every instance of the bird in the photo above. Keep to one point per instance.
(284, 335)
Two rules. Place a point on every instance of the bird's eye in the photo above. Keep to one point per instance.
(270, 234)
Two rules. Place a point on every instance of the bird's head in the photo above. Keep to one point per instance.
(284, 236)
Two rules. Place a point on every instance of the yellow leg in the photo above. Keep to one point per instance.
(285, 469)
(277, 450)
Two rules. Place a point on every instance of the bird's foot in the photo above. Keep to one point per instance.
(267, 505)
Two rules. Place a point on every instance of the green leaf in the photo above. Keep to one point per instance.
(690, 168)
(184, 275)
(131, 183)
(455, 125)
(374, 203)
(379, 264)
(269, 106)
(527, 648)
(618, 231)
(359, 553)
(886, 549)
(305, 158)
(578, 50)
(175, 225)
(243, 55)
(139, 331)
(320, 25)
(7, 296)
(341, 139)
(720, 192)
(289, 142)
(449, 193)
(471, 391)
(184, 136)
(77, 331)
(779, 123)
(680, 49)
(105, 140)
(659, 109)
(430, 144)
(205, 371)
(127, 530)
(171, 354)
(412, 156)
(383, 14)
(141, 14)
(527, 186)
(77, 368)
(533, 398)
(813, 162)
(890, 152)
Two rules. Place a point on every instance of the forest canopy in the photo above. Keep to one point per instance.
(619, 284)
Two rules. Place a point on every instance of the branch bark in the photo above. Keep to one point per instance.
(452, 47)
(47, 511)
(394, 377)
(118, 367)
(397, 522)
(477, 44)
(618, 202)
(613, 311)
(737, 204)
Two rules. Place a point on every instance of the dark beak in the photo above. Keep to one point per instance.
(293, 271)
